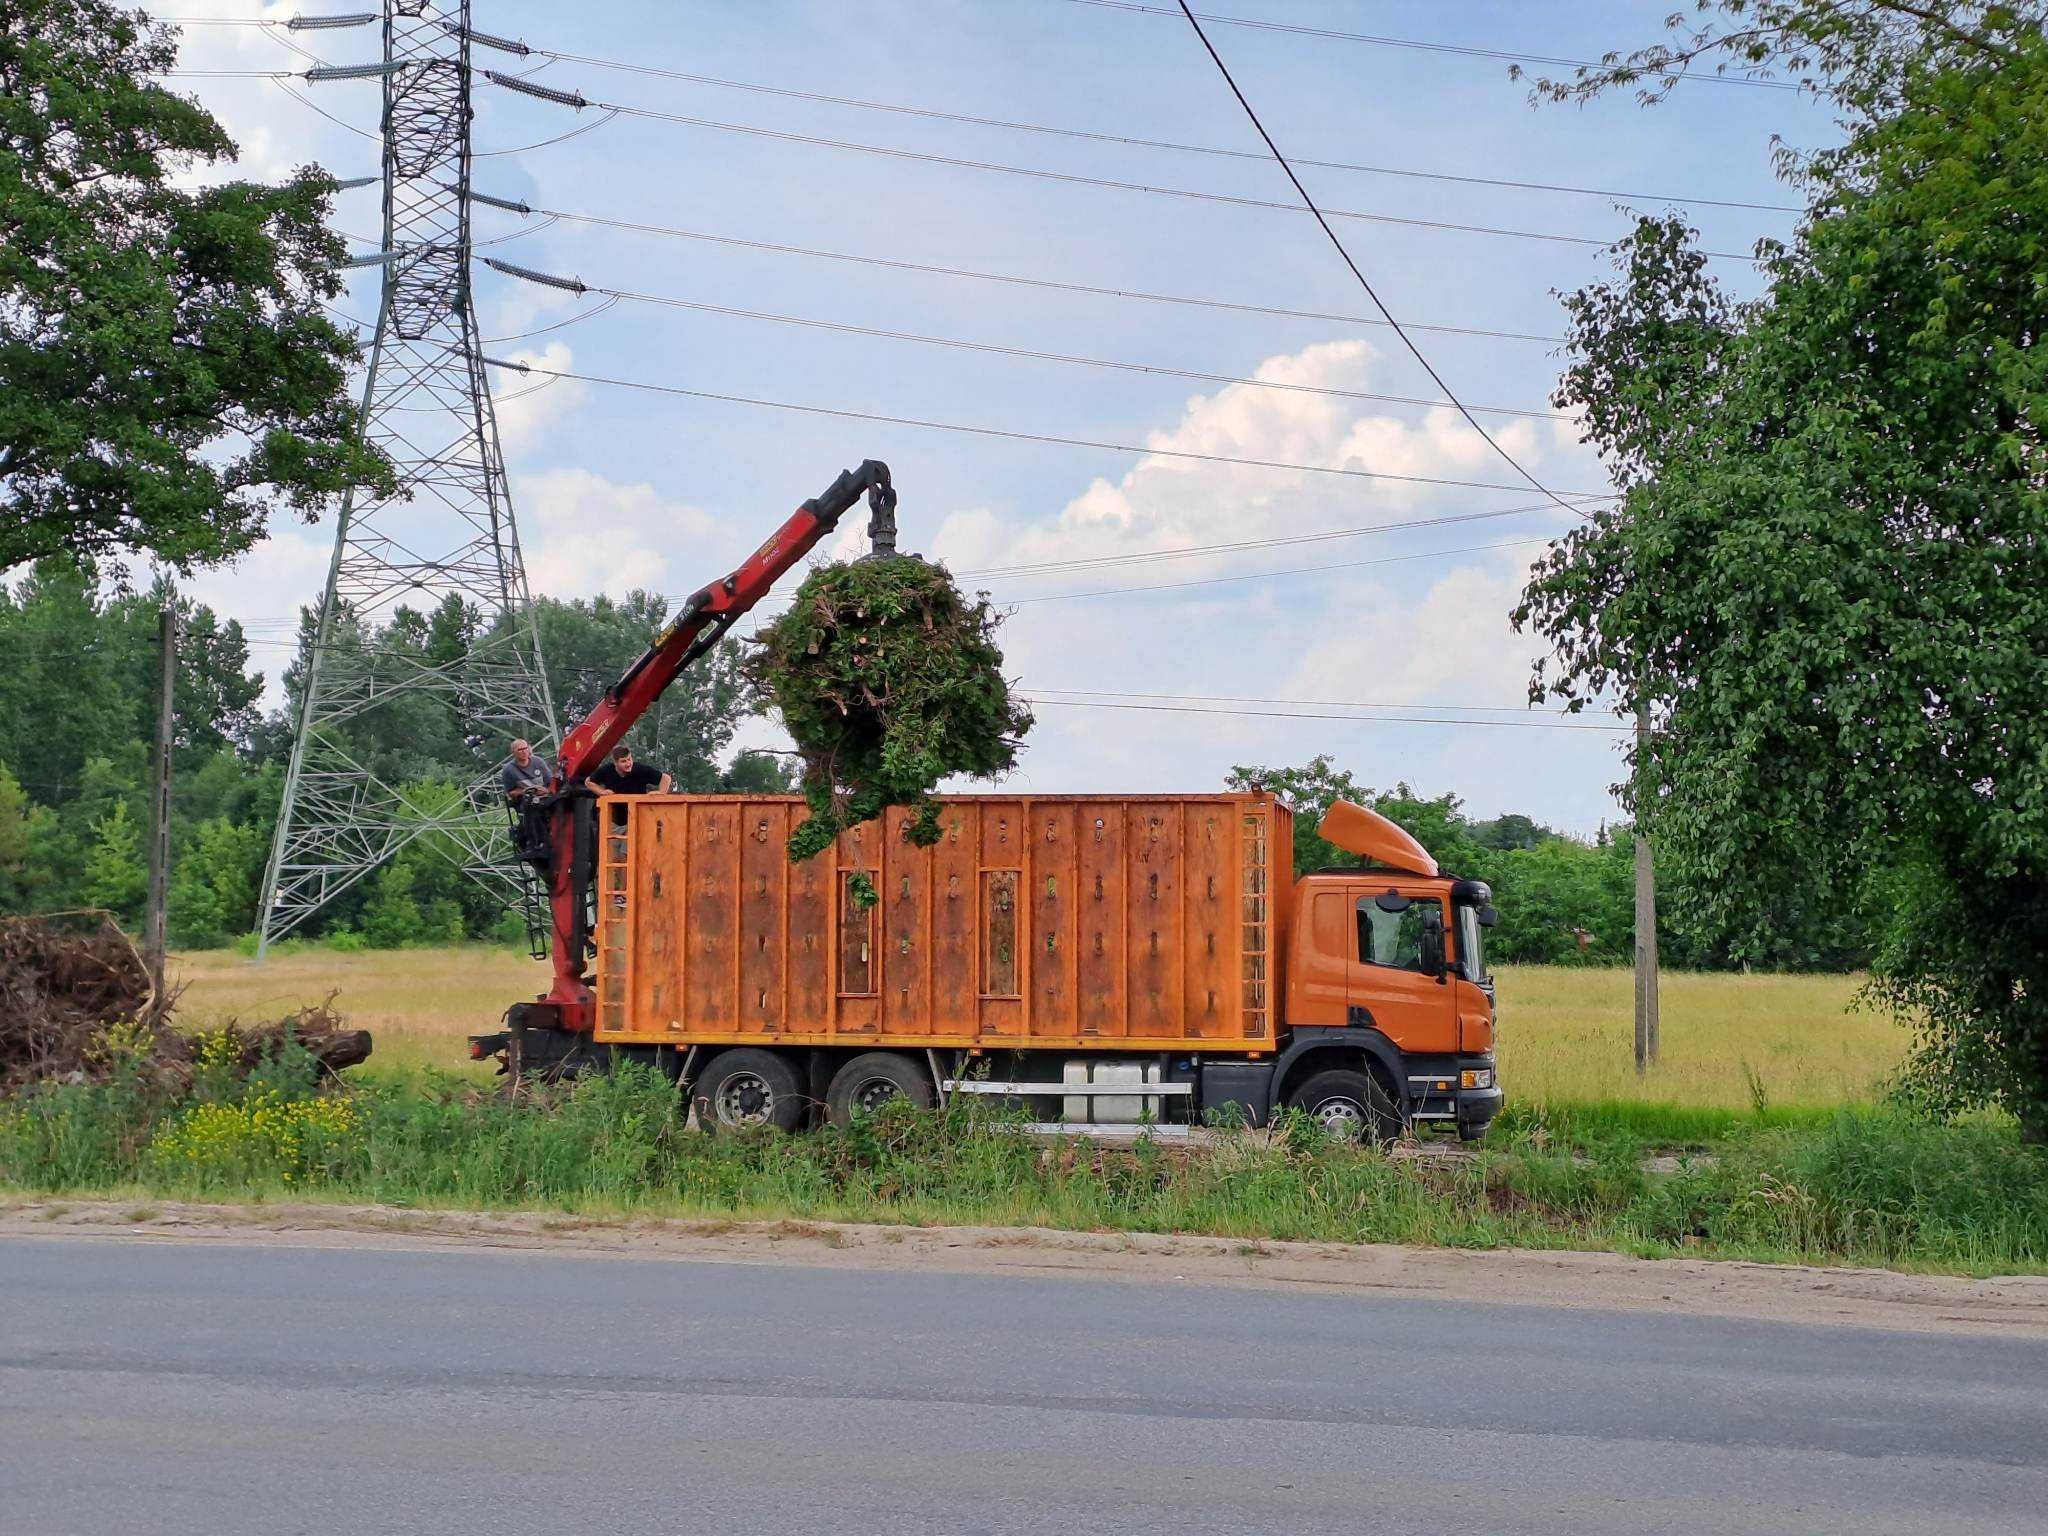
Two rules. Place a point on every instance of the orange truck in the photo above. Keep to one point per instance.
(1106, 959)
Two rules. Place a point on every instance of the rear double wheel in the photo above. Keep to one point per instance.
(873, 1079)
(1349, 1105)
(748, 1090)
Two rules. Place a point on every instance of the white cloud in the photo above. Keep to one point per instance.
(584, 534)
(528, 405)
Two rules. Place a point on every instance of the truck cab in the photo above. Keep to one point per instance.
(1386, 968)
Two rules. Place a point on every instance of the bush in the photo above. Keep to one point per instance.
(889, 680)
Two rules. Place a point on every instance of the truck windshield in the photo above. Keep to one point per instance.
(1471, 949)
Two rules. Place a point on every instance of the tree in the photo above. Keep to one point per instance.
(1308, 791)
(1826, 570)
(167, 378)
(115, 875)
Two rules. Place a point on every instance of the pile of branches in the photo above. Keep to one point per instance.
(77, 1005)
(889, 679)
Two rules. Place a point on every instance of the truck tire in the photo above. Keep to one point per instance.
(870, 1080)
(1350, 1105)
(747, 1090)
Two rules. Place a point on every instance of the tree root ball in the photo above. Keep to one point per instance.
(889, 679)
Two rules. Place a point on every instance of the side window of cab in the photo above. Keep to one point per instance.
(1394, 939)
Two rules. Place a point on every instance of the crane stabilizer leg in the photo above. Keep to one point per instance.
(556, 1025)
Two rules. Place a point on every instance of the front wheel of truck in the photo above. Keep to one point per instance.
(1349, 1106)
(748, 1090)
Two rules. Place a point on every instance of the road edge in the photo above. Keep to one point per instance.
(2007, 1307)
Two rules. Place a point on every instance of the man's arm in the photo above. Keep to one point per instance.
(666, 780)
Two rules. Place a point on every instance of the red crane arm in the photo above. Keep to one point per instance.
(711, 612)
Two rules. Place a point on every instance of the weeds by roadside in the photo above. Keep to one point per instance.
(1856, 1186)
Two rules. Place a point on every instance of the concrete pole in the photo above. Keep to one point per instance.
(155, 922)
(1646, 917)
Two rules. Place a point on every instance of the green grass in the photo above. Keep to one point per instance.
(1857, 1186)
(1768, 1094)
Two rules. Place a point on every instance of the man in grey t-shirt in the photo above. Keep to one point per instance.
(525, 774)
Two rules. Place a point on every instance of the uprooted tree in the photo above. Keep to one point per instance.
(889, 679)
(1825, 574)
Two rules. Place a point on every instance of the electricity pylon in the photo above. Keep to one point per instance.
(448, 532)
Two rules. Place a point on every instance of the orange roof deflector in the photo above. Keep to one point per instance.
(1371, 836)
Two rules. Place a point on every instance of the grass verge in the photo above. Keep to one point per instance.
(1855, 1186)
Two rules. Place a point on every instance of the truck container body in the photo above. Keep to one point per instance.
(1103, 958)
(1111, 923)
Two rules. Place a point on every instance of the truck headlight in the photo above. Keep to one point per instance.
(1476, 1077)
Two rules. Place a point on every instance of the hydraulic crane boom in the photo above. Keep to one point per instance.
(704, 620)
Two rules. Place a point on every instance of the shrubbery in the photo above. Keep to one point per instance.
(1870, 1187)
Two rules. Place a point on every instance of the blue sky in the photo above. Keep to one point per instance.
(616, 489)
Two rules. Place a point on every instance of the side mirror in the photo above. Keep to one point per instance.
(1391, 902)
(1433, 942)
(1488, 916)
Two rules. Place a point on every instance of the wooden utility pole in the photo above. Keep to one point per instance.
(155, 922)
(1646, 914)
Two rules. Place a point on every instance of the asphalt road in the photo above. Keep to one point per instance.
(227, 1387)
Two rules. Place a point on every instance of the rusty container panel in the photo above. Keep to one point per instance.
(955, 915)
(1069, 921)
(809, 952)
(905, 940)
(1153, 845)
(711, 916)
(1050, 828)
(764, 909)
(1104, 917)
(657, 920)
(1209, 904)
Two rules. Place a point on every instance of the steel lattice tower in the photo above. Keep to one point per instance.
(448, 532)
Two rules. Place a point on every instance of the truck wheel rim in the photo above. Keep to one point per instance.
(873, 1094)
(1341, 1119)
(745, 1099)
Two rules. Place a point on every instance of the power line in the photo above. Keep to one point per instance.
(1057, 285)
(1014, 435)
(1363, 282)
(1416, 44)
(1242, 698)
(1294, 570)
(847, 328)
(933, 114)
(1239, 546)
(1070, 178)
(1038, 701)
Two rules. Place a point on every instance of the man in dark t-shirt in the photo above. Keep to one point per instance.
(623, 776)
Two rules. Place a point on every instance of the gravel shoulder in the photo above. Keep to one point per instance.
(2009, 1306)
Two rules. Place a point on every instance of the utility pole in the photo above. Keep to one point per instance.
(1646, 913)
(155, 921)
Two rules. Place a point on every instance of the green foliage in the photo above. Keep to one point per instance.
(167, 377)
(1854, 1187)
(213, 886)
(889, 680)
(1308, 791)
(116, 876)
(25, 831)
(391, 917)
(1825, 574)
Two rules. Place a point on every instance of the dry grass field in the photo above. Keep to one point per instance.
(1565, 1033)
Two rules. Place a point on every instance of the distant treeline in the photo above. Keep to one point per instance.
(78, 701)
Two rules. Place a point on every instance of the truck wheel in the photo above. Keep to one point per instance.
(747, 1090)
(1349, 1105)
(871, 1080)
